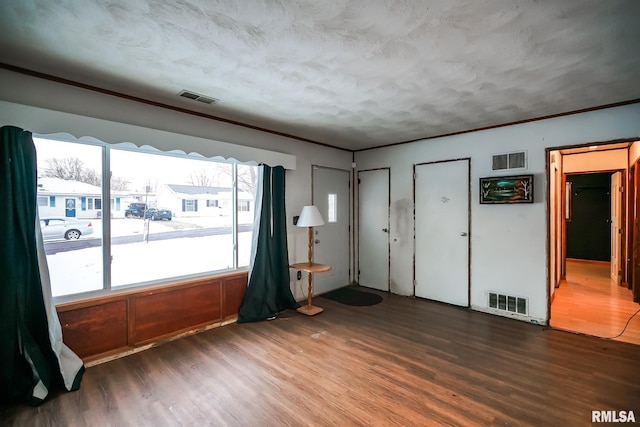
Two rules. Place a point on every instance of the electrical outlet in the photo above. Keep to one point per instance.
(299, 275)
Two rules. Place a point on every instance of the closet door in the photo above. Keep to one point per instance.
(442, 231)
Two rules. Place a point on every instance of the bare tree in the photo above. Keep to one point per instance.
(92, 177)
(221, 176)
(201, 178)
(73, 169)
(70, 169)
(247, 178)
(150, 186)
(119, 184)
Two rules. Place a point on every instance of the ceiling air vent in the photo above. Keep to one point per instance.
(505, 161)
(198, 97)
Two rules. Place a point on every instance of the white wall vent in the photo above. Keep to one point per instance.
(506, 161)
(509, 303)
(198, 97)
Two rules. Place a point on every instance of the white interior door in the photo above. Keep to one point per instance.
(331, 240)
(442, 231)
(616, 225)
(373, 227)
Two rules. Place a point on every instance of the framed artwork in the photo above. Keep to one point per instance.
(506, 189)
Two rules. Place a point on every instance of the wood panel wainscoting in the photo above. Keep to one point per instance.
(107, 327)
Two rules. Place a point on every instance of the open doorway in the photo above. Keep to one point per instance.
(590, 235)
(588, 223)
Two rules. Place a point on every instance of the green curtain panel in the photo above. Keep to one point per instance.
(30, 362)
(268, 292)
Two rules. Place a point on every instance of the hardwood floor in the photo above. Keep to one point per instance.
(404, 362)
(590, 303)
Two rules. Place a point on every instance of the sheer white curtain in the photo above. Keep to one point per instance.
(256, 220)
(71, 366)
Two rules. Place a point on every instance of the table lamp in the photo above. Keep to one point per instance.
(310, 217)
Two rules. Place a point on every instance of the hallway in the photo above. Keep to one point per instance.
(590, 303)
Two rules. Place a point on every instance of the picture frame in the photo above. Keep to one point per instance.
(506, 189)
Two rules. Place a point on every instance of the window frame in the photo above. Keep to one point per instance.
(190, 205)
(244, 205)
(105, 220)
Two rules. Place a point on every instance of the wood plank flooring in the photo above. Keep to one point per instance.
(403, 362)
(590, 303)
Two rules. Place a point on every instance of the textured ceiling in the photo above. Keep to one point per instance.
(348, 73)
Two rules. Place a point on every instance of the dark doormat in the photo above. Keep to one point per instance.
(352, 296)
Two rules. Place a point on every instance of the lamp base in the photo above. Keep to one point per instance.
(310, 311)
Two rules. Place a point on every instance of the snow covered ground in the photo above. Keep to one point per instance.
(132, 226)
(81, 270)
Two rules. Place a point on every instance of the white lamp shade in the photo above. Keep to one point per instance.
(310, 217)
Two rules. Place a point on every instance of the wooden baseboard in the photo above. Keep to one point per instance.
(118, 353)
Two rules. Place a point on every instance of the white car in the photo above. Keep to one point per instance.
(67, 228)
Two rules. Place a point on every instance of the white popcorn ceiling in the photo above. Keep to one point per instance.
(349, 73)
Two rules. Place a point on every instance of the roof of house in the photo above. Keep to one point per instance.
(197, 189)
(59, 186)
(62, 186)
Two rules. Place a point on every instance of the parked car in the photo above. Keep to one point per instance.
(156, 214)
(136, 209)
(64, 228)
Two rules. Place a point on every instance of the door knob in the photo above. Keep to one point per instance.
(464, 233)
(317, 241)
(386, 230)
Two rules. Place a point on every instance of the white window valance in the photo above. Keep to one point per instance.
(66, 126)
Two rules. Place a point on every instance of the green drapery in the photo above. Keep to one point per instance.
(29, 360)
(268, 292)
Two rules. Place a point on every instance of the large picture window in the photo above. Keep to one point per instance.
(169, 216)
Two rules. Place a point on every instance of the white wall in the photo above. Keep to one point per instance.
(147, 120)
(517, 233)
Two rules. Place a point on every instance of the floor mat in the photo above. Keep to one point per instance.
(353, 296)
